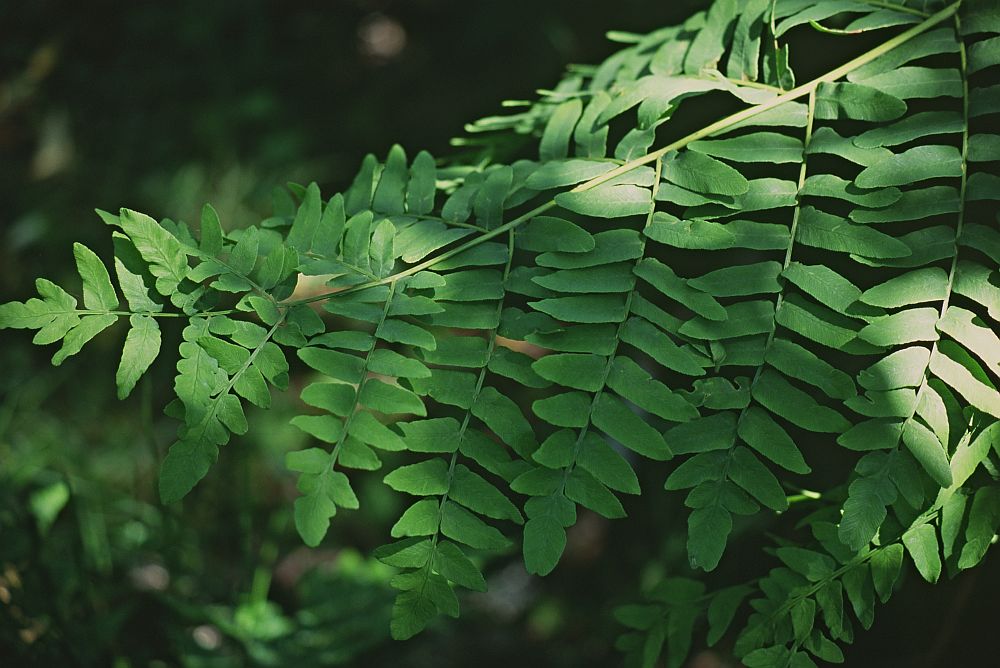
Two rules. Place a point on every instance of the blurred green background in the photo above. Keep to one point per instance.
(161, 107)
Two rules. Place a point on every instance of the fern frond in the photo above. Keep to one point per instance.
(812, 273)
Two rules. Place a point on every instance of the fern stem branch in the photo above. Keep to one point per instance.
(779, 300)
(960, 221)
(453, 461)
(810, 119)
(858, 560)
(793, 94)
(816, 25)
(154, 314)
(205, 257)
(578, 445)
(217, 399)
(427, 264)
(364, 378)
(931, 513)
(813, 588)
(711, 129)
(253, 354)
(490, 347)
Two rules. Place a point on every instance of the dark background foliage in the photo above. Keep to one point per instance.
(162, 106)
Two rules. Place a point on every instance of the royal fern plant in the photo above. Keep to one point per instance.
(588, 289)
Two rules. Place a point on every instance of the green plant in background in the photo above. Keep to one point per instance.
(795, 303)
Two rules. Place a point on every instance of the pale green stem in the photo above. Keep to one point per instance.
(480, 381)
(578, 445)
(960, 222)
(810, 119)
(833, 31)
(363, 379)
(711, 129)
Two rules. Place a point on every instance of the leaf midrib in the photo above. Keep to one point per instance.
(959, 224)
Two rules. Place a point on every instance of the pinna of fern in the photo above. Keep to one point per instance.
(814, 272)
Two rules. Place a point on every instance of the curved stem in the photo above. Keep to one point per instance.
(833, 31)
(711, 129)
(157, 314)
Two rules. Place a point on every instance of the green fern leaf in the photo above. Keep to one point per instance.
(813, 276)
